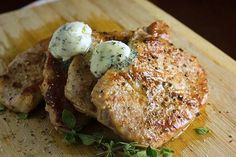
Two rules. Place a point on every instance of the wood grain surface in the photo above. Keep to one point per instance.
(36, 137)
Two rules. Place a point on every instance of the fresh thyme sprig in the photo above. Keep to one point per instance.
(109, 146)
(202, 130)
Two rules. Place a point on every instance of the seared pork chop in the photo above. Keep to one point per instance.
(55, 75)
(19, 85)
(156, 97)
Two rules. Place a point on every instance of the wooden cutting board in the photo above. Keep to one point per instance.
(35, 137)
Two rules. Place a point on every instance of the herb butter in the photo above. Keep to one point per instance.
(70, 39)
(110, 53)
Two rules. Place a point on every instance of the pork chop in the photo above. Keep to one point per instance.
(19, 85)
(156, 97)
(55, 75)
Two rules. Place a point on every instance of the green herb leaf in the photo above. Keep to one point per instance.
(84, 29)
(141, 154)
(98, 137)
(70, 137)
(68, 119)
(129, 149)
(109, 147)
(151, 152)
(98, 134)
(22, 116)
(2, 108)
(87, 139)
(201, 130)
(166, 152)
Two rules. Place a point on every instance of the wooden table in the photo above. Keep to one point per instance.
(23, 28)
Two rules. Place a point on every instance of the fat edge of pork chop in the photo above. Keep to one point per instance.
(81, 81)
(156, 97)
(19, 85)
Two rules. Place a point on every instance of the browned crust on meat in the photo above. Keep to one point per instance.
(158, 28)
(19, 86)
(152, 100)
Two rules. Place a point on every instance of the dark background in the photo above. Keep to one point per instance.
(215, 20)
